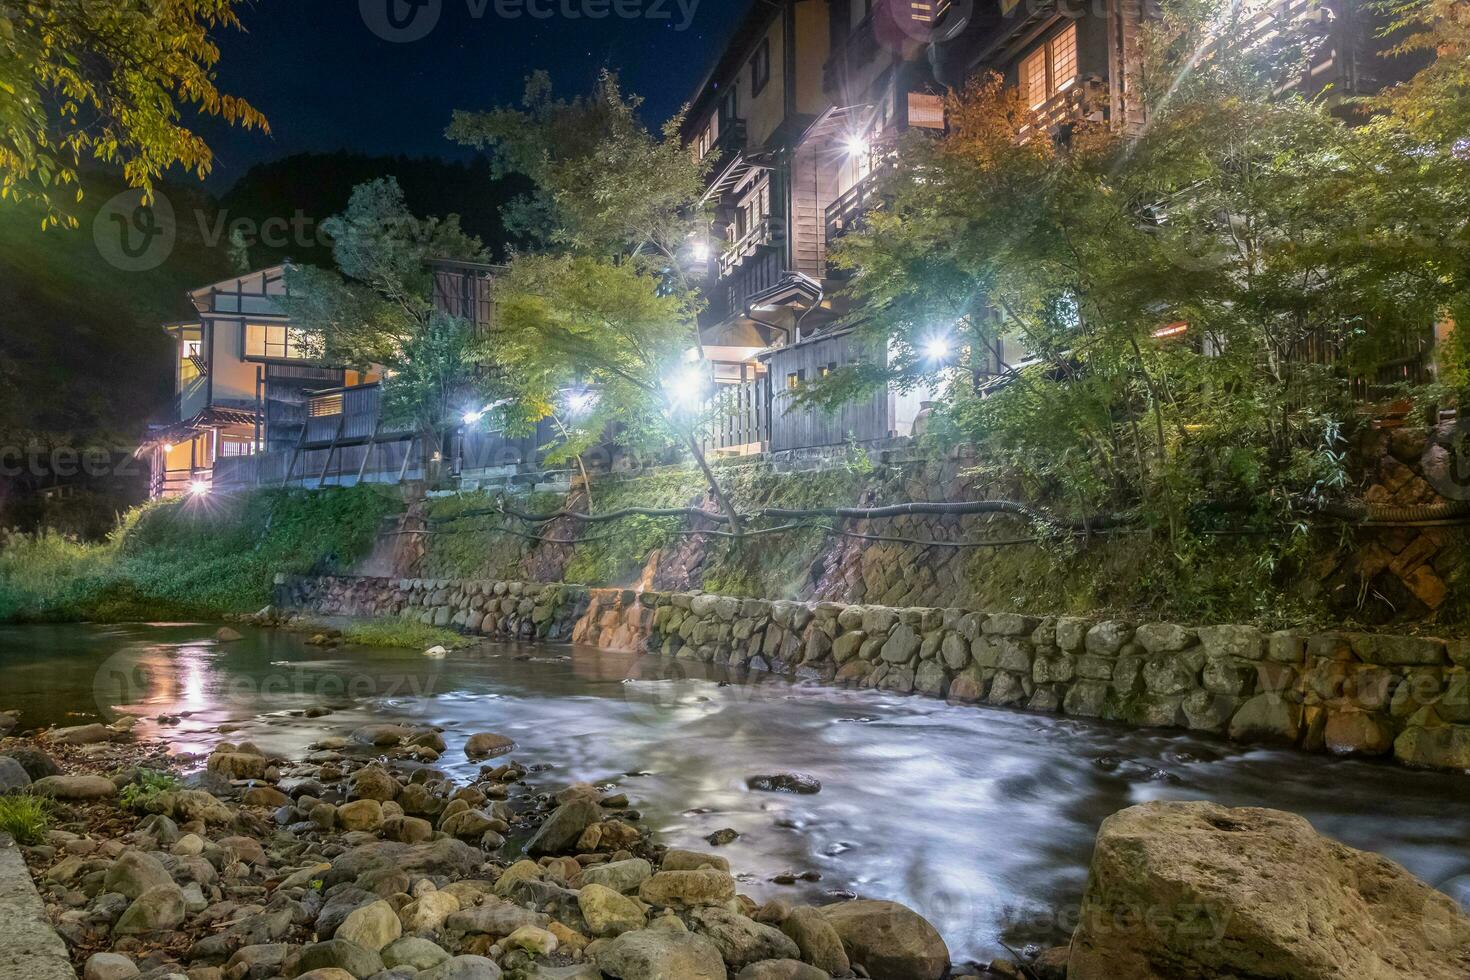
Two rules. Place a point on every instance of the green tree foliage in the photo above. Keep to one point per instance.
(377, 311)
(601, 304)
(1183, 316)
(82, 80)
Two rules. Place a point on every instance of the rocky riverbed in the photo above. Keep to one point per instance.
(363, 860)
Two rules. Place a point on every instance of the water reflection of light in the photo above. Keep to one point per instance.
(193, 667)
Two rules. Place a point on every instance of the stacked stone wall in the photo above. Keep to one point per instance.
(1377, 575)
(1369, 694)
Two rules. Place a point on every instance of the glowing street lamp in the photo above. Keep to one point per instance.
(474, 418)
(700, 251)
(580, 403)
(686, 388)
(937, 349)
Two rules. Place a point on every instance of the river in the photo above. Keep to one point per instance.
(981, 819)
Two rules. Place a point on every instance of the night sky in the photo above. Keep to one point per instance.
(328, 81)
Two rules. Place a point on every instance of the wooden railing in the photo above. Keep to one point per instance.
(730, 141)
(766, 231)
(846, 212)
(1083, 98)
(176, 483)
(382, 461)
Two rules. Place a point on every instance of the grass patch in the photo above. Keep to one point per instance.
(191, 558)
(26, 818)
(402, 633)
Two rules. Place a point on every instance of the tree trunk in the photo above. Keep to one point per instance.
(714, 484)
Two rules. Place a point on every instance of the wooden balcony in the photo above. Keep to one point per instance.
(765, 234)
(846, 212)
(730, 141)
(1084, 99)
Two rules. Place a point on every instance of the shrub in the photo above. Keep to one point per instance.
(26, 818)
(149, 787)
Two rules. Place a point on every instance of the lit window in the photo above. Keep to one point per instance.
(325, 405)
(231, 447)
(1064, 58)
(276, 341)
(1050, 69)
(191, 356)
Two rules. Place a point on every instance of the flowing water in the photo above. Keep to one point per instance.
(982, 819)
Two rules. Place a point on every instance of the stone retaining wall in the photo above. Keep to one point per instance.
(1346, 693)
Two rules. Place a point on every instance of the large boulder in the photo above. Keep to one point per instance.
(659, 954)
(890, 941)
(158, 909)
(80, 735)
(462, 968)
(1215, 892)
(609, 913)
(487, 744)
(411, 951)
(450, 858)
(816, 940)
(742, 941)
(133, 873)
(13, 776)
(560, 831)
(686, 889)
(75, 789)
(339, 954)
(371, 927)
(36, 763)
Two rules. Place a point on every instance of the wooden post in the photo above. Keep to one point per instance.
(368, 452)
(291, 464)
(331, 449)
(407, 455)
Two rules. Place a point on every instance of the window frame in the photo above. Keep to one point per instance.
(291, 346)
(1046, 53)
(760, 67)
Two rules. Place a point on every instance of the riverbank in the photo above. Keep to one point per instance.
(1389, 695)
(363, 860)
